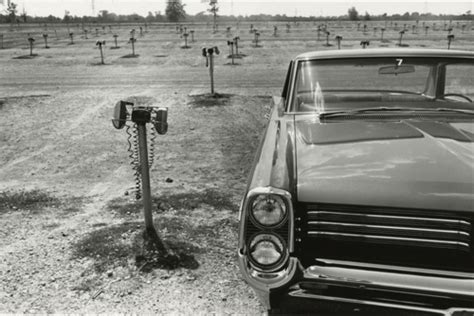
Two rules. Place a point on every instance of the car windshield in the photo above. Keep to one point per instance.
(361, 83)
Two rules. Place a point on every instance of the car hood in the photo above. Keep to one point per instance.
(414, 164)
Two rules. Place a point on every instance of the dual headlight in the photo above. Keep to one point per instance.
(267, 212)
(266, 250)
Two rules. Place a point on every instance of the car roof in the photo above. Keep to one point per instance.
(385, 52)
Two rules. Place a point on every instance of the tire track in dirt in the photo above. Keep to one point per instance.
(22, 159)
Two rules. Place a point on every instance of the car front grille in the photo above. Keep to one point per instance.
(430, 239)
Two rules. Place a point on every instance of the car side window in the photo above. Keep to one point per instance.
(460, 80)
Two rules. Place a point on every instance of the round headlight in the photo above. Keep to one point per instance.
(266, 249)
(268, 210)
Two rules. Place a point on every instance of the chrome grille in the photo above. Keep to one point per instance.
(390, 229)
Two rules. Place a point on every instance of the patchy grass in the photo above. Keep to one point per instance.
(178, 201)
(26, 199)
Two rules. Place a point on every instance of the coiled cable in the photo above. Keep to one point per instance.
(134, 157)
(151, 146)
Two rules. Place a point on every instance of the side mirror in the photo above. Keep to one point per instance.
(161, 121)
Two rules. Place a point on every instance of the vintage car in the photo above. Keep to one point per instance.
(361, 195)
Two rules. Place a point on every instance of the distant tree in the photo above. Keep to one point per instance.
(24, 16)
(175, 10)
(11, 9)
(66, 19)
(150, 17)
(366, 16)
(67, 16)
(353, 14)
(104, 15)
(214, 9)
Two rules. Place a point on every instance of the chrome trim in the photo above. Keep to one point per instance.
(265, 281)
(368, 215)
(395, 228)
(416, 229)
(383, 279)
(402, 240)
(395, 269)
(290, 109)
(446, 312)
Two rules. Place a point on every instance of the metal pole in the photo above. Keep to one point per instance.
(142, 143)
(101, 54)
(211, 71)
(232, 52)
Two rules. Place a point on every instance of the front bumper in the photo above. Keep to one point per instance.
(361, 286)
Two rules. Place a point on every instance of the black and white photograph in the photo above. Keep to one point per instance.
(232, 157)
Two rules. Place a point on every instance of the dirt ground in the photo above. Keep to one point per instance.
(71, 235)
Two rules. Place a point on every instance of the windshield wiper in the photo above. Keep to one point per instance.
(390, 109)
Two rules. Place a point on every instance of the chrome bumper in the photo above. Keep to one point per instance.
(338, 300)
(389, 282)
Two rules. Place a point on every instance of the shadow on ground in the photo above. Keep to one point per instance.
(116, 246)
(130, 56)
(209, 100)
(35, 201)
(26, 56)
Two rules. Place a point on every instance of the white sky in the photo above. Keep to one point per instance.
(242, 7)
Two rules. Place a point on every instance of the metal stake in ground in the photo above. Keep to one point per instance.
(100, 44)
(31, 40)
(209, 54)
(338, 39)
(236, 41)
(231, 45)
(141, 118)
(450, 39)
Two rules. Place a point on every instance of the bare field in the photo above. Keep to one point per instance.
(71, 230)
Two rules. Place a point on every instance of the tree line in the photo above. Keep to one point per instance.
(175, 12)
